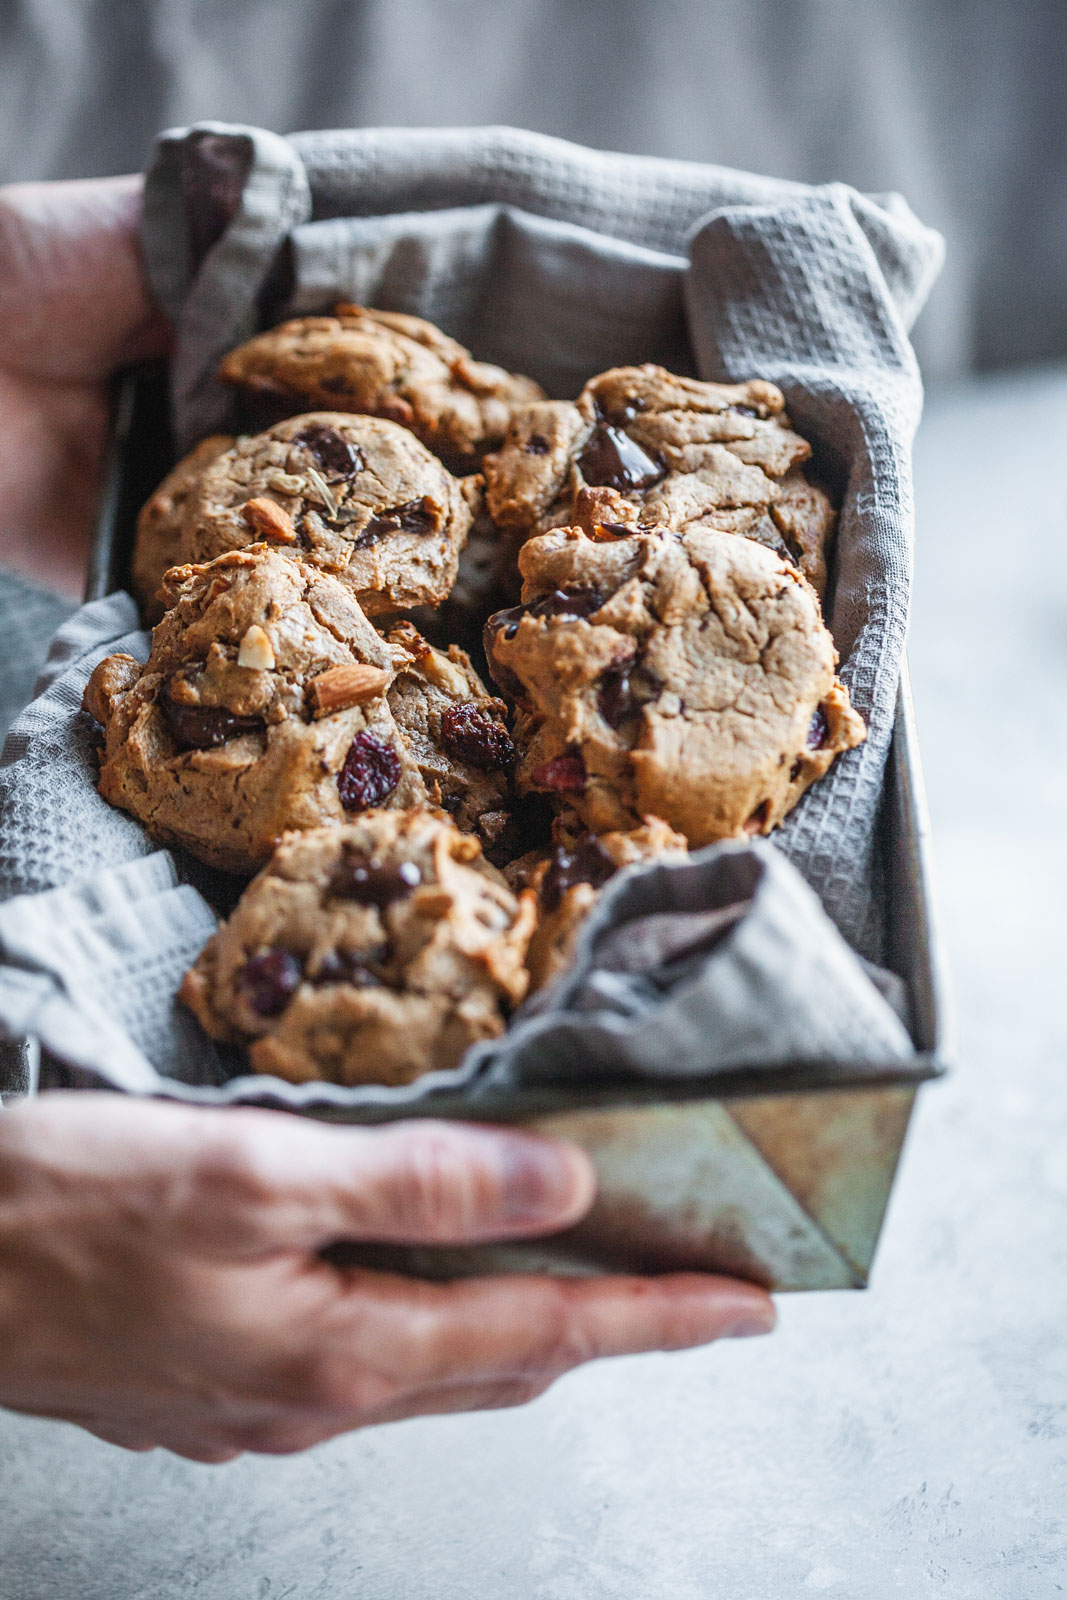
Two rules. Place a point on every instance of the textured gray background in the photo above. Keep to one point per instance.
(959, 104)
(910, 1441)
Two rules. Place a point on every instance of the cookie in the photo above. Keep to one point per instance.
(456, 730)
(357, 497)
(568, 881)
(370, 953)
(158, 543)
(643, 448)
(263, 707)
(384, 364)
(687, 676)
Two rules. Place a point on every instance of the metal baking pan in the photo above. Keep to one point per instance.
(780, 1184)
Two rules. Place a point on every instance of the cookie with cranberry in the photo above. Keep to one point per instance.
(568, 879)
(158, 543)
(687, 676)
(356, 497)
(385, 364)
(370, 953)
(456, 731)
(262, 707)
(642, 447)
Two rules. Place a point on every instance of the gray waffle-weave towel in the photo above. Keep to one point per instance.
(560, 262)
(717, 963)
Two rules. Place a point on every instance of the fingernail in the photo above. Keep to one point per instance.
(544, 1183)
(751, 1322)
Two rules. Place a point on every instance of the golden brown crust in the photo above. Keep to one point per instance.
(383, 364)
(363, 985)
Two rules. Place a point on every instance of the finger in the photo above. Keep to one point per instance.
(272, 1181)
(74, 303)
(394, 1336)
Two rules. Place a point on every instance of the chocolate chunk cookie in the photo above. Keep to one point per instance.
(263, 707)
(370, 953)
(568, 881)
(687, 676)
(643, 448)
(357, 497)
(456, 731)
(387, 365)
(158, 544)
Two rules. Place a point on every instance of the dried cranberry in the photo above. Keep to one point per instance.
(537, 445)
(370, 774)
(472, 735)
(205, 727)
(358, 878)
(563, 774)
(346, 966)
(818, 731)
(612, 460)
(589, 863)
(269, 981)
(414, 516)
(332, 451)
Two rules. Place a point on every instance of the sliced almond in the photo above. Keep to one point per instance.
(350, 685)
(269, 521)
(256, 650)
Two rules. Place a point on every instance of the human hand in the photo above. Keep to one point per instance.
(161, 1281)
(73, 309)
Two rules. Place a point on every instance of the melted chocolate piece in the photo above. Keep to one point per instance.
(332, 451)
(818, 731)
(358, 878)
(472, 735)
(537, 445)
(589, 863)
(269, 981)
(414, 516)
(744, 411)
(370, 774)
(346, 966)
(612, 460)
(622, 692)
(562, 775)
(205, 727)
(758, 820)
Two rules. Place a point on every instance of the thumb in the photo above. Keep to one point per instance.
(288, 1184)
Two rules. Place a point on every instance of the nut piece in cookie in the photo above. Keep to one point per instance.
(568, 882)
(356, 497)
(643, 447)
(684, 676)
(385, 364)
(456, 731)
(158, 542)
(262, 708)
(370, 953)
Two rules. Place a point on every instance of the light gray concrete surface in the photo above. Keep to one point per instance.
(909, 1441)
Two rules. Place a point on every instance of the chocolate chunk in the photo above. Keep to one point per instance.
(589, 863)
(567, 603)
(414, 516)
(537, 445)
(612, 460)
(269, 981)
(360, 879)
(346, 966)
(744, 411)
(332, 451)
(562, 775)
(205, 727)
(818, 731)
(370, 774)
(472, 735)
(758, 820)
(622, 691)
